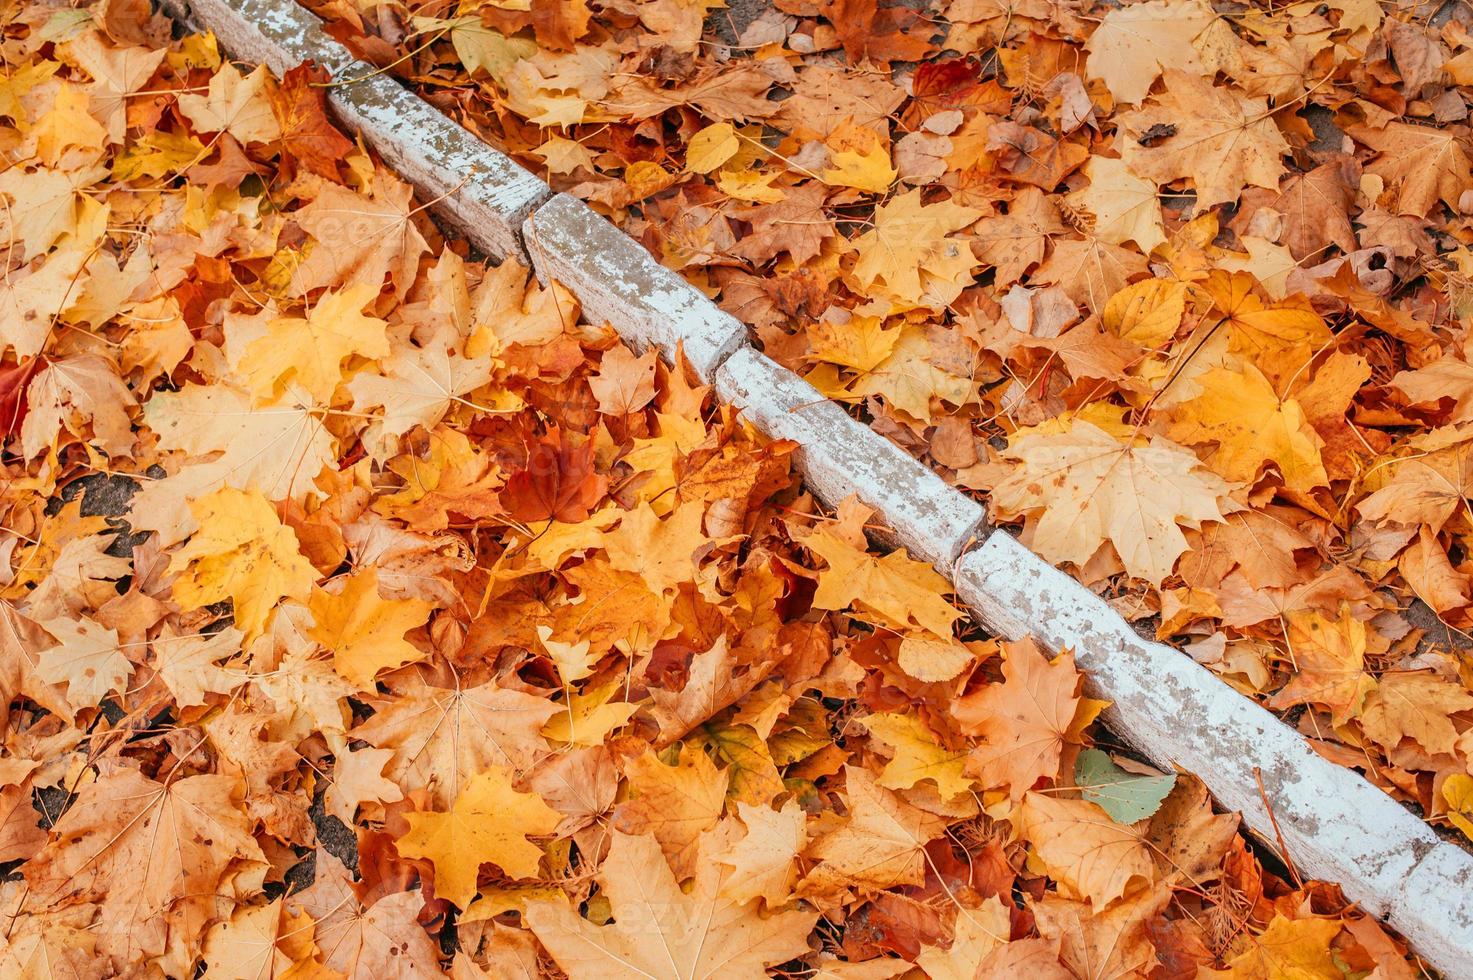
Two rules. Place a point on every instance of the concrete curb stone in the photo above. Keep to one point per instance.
(1334, 824)
(617, 281)
(478, 190)
(1433, 909)
(839, 457)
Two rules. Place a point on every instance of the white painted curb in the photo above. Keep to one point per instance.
(617, 281)
(478, 190)
(1334, 824)
(839, 456)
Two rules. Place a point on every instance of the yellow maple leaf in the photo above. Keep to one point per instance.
(906, 591)
(907, 253)
(1082, 849)
(711, 147)
(862, 343)
(66, 124)
(1087, 487)
(587, 717)
(661, 552)
(1457, 793)
(364, 631)
(659, 930)
(1218, 139)
(1329, 663)
(918, 755)
(312, 351)
(1125, 207)
(860, 160)
(241, 552)
(676, 804)
(1251, 425)
(236, 104)
(1022, 724)
(881, 846)
(909, 380)
(1133, 44)
(488, 824)
(1147, 312)
(86, 658)
(1298, 948)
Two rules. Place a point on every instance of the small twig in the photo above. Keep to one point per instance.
(1283, 848)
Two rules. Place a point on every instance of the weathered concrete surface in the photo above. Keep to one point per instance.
(1434, 910)
(1334, 824)
(840, 456)
(617, 281)
(477, 190)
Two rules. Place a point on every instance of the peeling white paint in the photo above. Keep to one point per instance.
(478, 190)
(618, 282)
(840, 456)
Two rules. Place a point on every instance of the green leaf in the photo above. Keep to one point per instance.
(1125, 796)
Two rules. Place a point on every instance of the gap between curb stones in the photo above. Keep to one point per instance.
(475, 188)
(1335, 824)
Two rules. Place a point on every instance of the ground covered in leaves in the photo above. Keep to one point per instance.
(1181, 289)
(365, 613)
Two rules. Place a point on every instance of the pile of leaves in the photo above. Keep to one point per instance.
(1180, 289)
(365, 613)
